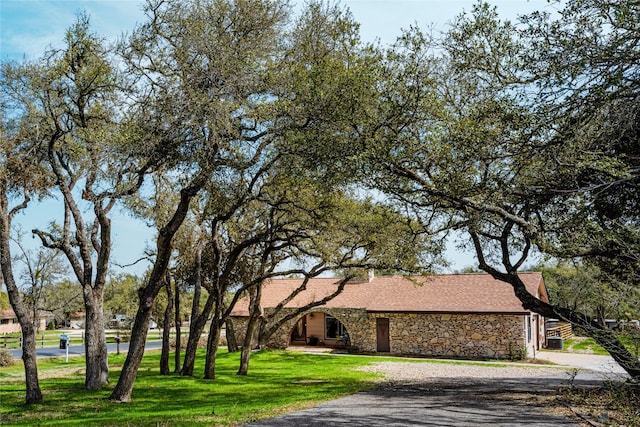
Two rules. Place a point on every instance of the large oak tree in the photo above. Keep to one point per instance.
(523, 137)
(72, 99)
(20, 178)
(228, 88)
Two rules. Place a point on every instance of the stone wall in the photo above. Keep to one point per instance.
(426, 334)
(452, 335)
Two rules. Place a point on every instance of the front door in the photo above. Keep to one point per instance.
(382, 333)
(299, 333)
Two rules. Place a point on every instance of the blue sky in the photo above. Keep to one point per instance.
(28, 27)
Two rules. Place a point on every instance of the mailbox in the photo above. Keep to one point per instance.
(64, 341)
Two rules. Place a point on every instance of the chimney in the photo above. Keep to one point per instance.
(370, 275)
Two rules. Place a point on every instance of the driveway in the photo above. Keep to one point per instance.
(436, 394)
(591, 362)
(436, 405)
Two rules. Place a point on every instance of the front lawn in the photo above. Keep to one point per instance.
(588, 345)
(278, 382)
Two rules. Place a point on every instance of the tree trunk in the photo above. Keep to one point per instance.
(212, 349)
(96, 361)
(33, 392)
(29, 359)
(166, 330)
(198, 320)
(247, 347)
(195, 332)
(178, 323)
(252, 327)
(230, 333)
(598, 332)
(122, 391)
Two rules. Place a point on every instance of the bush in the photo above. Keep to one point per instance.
(6, 358)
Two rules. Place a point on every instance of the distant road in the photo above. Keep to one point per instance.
(78, 350)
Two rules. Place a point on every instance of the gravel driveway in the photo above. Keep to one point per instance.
(439, 394)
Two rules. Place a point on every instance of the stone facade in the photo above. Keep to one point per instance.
(425, 334)
(453, 335)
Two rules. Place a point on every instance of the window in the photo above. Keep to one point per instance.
(528, 328)
(333, 328)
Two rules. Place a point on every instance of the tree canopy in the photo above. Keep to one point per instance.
(522, 135)
(260, 142)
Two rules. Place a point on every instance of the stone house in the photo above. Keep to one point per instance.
(455, 315)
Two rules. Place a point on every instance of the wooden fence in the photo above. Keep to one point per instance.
(562, 330)
(14, 341)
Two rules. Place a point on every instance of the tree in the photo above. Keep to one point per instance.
(206, 68)
(585, 65)
(472, 138)
(227, 94)
(62, 299)
(20, 178)
(316, 234)
(25, 317)
(4, 301)
(121, 294)
(359, 235)
(41, 271)
(587, 289)
(72, 98)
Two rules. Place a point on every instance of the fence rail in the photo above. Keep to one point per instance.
(14, 341)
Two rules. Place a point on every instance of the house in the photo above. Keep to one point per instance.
(9, 322)
(75, 320)
(457, 315)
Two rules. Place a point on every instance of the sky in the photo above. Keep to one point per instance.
(29, 27)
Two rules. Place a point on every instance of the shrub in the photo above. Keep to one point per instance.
(6, 358)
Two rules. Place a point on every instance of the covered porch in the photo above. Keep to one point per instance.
(319, 330)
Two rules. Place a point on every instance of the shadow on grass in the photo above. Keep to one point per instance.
(276, 380)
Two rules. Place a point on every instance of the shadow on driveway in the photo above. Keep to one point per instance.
(442, 402)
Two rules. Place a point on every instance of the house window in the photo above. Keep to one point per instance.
(528, 328)
(333, 328)
(4, 321)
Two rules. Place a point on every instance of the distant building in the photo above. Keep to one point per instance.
(9, 322)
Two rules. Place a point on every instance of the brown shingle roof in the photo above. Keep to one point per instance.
(7, 314)
(461, 293)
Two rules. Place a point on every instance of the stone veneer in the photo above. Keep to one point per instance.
(427, 334)
(453, 335)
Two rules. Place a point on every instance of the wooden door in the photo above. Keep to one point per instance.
(299, 333)
(382, 334)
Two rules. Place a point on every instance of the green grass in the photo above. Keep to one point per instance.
(583, 345)
(588, 345)
(278, 382)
